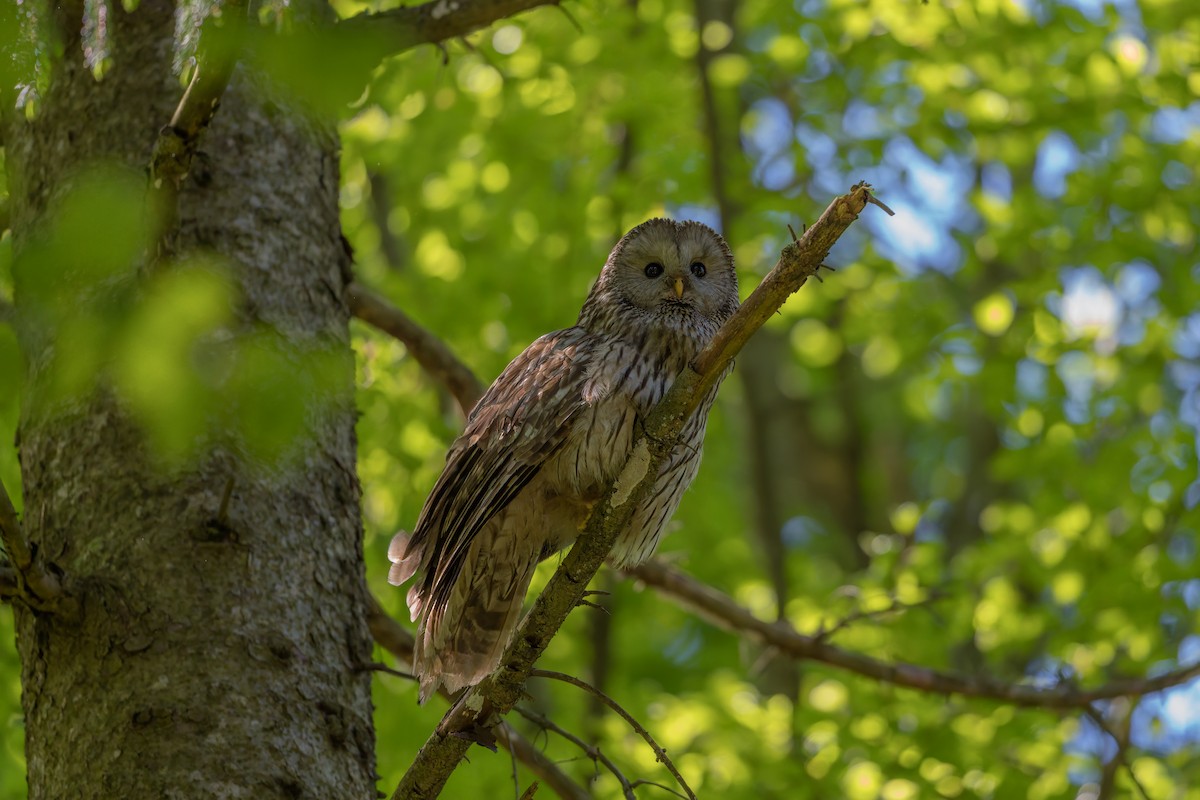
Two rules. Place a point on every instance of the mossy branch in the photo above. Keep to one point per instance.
(481, 706)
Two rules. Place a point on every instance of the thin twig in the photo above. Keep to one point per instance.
(656, 785)
(570, 18)
(220, 44)
(718, 162)
(482, 705)
(515, 779)
(385, 669)
(1119, 759)
(858, 615)
(723, 611)
(427, 349)
(398, 641)
(380, 206)
(541, 766)
(875, 201)
(591, 751)
(659, 753)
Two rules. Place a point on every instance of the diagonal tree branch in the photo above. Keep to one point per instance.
(394, 638)
(723, 611)
(481, 706)
(436, 21)
(429, 351)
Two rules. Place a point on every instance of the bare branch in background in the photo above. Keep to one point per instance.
(1120, 734)
(723, 611)
(483, 705)
(380, 205)
(429, 351)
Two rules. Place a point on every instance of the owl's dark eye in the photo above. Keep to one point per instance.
(654, 269)
(698, 269)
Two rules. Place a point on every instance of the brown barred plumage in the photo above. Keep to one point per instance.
(549, 435)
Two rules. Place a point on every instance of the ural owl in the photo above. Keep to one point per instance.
(550, 435)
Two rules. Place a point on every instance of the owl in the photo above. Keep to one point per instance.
(550, 435)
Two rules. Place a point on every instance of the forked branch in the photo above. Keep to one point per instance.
(483, 705)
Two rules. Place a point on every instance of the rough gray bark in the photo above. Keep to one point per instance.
(213, 657)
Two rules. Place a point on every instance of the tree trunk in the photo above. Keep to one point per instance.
(215, 655)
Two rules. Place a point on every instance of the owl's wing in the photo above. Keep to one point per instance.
(514, 428)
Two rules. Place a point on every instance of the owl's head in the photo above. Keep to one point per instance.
(663, 272)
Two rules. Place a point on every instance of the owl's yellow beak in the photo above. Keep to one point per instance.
(679, 288)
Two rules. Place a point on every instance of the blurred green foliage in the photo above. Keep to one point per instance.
(1016, 353)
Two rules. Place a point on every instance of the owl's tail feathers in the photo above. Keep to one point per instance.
(462, 641)
(405, 561)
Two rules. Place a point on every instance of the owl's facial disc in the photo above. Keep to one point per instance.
(676, 274)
